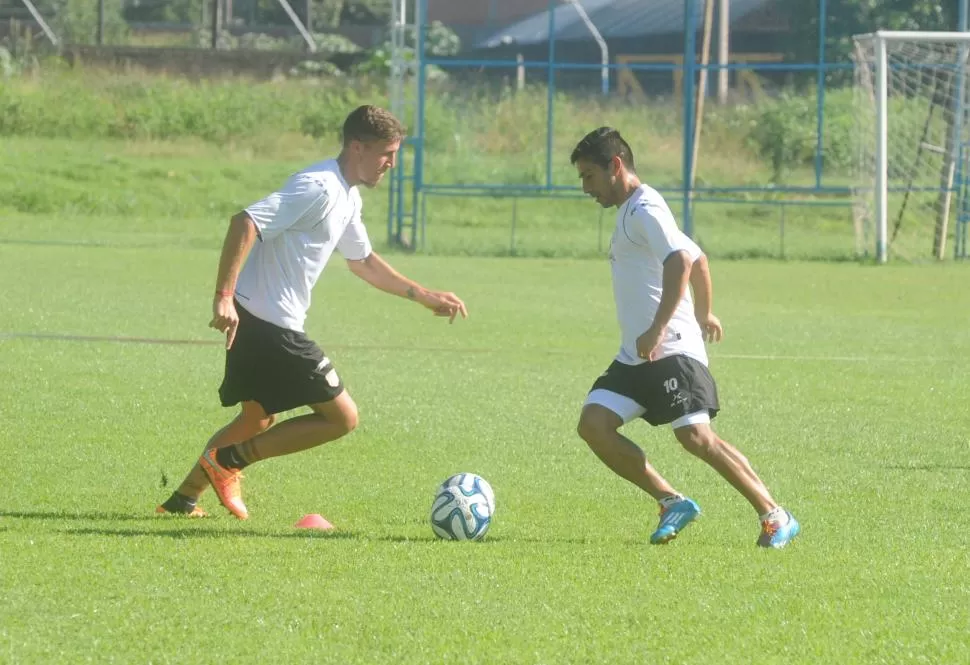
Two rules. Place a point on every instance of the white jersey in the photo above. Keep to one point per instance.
(299, 227)
(645, 235)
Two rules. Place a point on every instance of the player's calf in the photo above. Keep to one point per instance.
(699, 440)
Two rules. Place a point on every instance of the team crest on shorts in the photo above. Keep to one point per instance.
(331, 375)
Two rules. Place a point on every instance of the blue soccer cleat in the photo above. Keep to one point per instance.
(673, 519)
(778, 535)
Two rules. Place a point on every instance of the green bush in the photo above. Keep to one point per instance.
(76, 21)
(783, 131)
(499, 132)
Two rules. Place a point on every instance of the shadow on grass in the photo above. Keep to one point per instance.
(202, 529)
(208, 533)
(928, 467)
(180, 534)
(78, 515)
(95, 244)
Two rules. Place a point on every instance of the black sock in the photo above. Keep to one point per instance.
(179, 503)
(230, 458)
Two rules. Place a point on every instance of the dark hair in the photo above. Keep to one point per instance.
(372, 123)
(600, 146)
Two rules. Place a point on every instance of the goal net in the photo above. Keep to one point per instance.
(911, 92)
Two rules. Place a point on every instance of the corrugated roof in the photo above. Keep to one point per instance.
(613, 18)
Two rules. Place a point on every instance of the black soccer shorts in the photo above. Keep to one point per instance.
(667, 389)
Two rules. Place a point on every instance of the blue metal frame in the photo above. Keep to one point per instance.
(690, 53)
(419, 120)
(963, 187)
(420, 189)
(401, 208)
(550, 91)
(820, 92)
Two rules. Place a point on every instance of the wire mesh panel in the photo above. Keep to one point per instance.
(910, 96)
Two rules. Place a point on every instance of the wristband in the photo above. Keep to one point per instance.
(224, 294)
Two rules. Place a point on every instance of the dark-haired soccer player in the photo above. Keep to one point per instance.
(660, 373)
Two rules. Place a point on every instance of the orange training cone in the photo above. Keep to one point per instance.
(313, 521)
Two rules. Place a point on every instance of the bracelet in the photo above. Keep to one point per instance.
(224, 294)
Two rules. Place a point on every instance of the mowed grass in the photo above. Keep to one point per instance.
(845, 384)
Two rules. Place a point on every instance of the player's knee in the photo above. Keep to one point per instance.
(350, 421)
(345, 420)
(699, 441)
(256, 426)
(593, 429)
(256, 420)
(339, 415)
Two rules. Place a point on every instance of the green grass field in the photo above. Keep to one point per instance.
(845, 384)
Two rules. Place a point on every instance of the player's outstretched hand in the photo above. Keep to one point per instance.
(225, 318)
(443, 303)
(711, 328)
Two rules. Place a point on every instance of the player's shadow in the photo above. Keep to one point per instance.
(928, 467)
(94, 244)
(336, 534)
(181, 534)
(201, 528)
(94, 516)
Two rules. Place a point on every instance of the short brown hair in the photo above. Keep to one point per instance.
(372, 123)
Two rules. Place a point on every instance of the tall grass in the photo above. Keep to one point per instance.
(499, 136)
(123, 145)
(89, 105)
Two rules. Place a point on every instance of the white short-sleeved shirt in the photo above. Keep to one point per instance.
(299, 227)
(645, 235)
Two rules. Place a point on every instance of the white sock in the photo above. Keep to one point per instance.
(777, 515)
(668, 501)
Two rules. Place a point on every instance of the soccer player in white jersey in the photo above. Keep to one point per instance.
(660, 372)
(273, 253)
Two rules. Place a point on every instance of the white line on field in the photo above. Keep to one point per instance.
(849, 359)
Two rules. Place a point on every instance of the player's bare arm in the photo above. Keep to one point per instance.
(676, 273)
(700, 282)
(235, 248)
(378, 273)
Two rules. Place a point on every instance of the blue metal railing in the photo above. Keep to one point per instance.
(421, 186)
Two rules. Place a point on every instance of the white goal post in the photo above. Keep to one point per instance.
(913, 140)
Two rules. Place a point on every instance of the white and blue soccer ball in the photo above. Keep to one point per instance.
(463, 507)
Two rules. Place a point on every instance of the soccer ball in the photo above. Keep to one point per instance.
(463, 507)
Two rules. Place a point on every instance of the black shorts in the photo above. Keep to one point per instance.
(279, 368)
(667, 389)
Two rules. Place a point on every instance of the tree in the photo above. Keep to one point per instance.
(166, 11)
(76, 21)
(366, 12)
(325, 14)
(846, 18)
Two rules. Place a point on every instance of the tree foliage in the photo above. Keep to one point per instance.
(845, 18)
(76, 21)
(163, 11)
